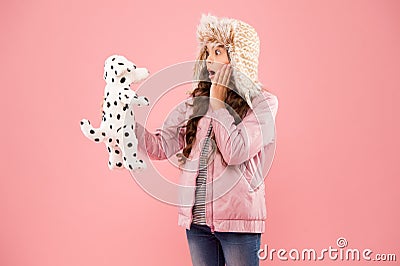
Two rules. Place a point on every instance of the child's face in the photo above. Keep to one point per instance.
(217, 56)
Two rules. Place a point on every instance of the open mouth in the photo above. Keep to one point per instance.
(211, 74)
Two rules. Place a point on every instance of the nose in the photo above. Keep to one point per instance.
(209, 58)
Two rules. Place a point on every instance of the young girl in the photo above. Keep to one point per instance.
(226, 133)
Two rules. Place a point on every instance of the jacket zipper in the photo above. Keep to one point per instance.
(212, 191)
(212, 203)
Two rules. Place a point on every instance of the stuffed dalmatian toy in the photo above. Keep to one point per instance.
(117, 128)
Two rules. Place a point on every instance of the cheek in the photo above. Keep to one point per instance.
(226, 58)
(223, 59)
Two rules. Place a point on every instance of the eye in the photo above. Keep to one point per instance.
(134, 66)
(217, 52)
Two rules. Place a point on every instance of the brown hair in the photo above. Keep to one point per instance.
(236, 105)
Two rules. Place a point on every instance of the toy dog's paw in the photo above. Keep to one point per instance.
(94, 134)
(84, 122)
(140, 165)
(85, 126)
(116, 165)
(136, 166)
(146, 101)
(143, 101)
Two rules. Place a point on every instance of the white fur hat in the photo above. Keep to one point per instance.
(243, 45)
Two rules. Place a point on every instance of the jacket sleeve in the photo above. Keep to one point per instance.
(239, 143)
(166, 141)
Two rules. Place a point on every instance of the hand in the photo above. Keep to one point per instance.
(219, 90)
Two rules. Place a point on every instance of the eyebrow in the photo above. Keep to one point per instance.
(216, 46)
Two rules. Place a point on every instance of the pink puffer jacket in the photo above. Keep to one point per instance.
(235, 192)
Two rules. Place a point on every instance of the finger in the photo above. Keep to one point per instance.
(221, 72)
(216, 77)
(226, 76)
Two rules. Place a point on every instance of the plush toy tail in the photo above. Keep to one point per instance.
(91, 133)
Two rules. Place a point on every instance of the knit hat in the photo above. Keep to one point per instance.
(243, 46)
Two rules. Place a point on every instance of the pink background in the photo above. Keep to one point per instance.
(334, 66)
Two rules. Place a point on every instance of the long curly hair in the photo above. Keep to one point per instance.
(236, 105)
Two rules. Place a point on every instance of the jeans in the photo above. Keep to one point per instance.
(234, 249)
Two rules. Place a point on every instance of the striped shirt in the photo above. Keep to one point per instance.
(199, 208)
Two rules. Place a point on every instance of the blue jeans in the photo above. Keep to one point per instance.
(234, 249)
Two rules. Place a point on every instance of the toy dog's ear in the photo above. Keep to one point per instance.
(105, 73)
